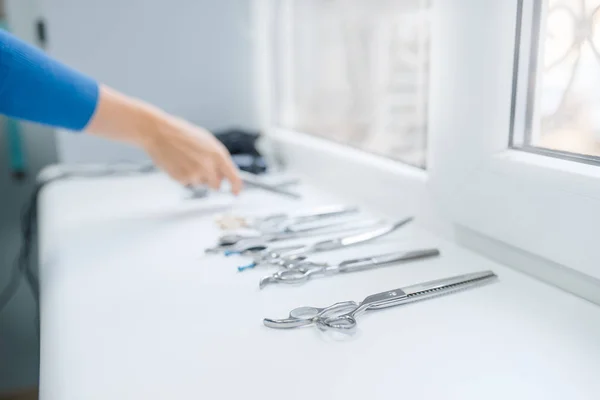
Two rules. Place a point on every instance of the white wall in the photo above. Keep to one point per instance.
(22, 15)
(190, 57)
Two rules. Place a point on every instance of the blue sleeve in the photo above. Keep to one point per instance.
(37, 88)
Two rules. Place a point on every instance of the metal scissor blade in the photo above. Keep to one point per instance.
(238, 242)
(325, 212)
(334, 226)
(278, 222)
(360, 264)
(448, 285)
(255, 181)
(319, 214)
(373, 234)
(363, 237)
(327, 229)
(334, 244)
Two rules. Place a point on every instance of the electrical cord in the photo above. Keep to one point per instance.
(23, 267)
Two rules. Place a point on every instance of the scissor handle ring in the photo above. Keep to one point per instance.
(305, 313)
(323, 313)
(345, 323)
(292, 275)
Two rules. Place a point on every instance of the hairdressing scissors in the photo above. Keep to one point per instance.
(303, 316)
(343, 318)
(283, 256)
(302, 272)
(235, 243)
(252, 181)
(255, 181)
(278, 222)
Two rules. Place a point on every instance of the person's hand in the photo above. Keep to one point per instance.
(190, 154)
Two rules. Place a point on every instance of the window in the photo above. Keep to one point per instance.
(485, 83)
(563, 99)
(503, 96)
(355, 72)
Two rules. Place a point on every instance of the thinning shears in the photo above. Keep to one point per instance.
(342, 316)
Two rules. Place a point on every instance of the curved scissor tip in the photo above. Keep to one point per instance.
(267, 280)
(286, 323)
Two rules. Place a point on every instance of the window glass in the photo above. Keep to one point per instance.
(356, 72)
(563, 93)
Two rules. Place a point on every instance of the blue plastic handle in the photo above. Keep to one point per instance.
(245, 267)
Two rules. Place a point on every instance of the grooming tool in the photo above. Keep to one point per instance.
(199, 192)
(304, 316)
(292, 230)
(254, 181)
(275, 223)
(282, 184)
(282, 256)
(304, 271)
(343, 318)
(235, 243)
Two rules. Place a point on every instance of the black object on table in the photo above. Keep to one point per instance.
(241, 144)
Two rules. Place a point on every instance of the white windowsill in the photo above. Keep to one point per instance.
(392, 189)
(130, 304)
(346, 152)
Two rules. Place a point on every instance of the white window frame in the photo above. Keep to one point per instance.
(545, 206)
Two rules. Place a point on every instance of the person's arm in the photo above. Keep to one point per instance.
(189, 154)
(37, 88)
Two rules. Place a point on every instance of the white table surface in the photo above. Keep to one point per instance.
(131, 308)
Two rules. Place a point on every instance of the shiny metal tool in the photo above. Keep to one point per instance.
(256, 182)
(235, 243)
(341, 317)
(307, 270)
(276, 223)
(285, 257)
(202, 191)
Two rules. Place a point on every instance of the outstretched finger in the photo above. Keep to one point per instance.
(230, 171)
(212, 177)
